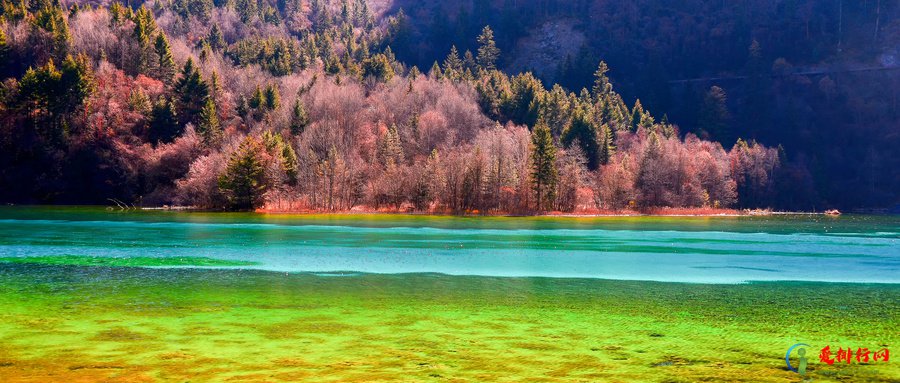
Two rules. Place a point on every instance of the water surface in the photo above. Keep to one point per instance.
(860, 249)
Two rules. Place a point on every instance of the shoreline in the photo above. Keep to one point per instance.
(656, 212)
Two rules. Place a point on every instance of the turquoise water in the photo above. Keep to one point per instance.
(673, 249)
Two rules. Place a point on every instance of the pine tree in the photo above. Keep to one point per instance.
(583, 131)
(714, 115)
(272, 97)
(435, 71)
(469, 63)
(453, 64)
(637, 113)
(605, 145)
(299, 118)
(4, 54)
(543, 166)
(164, 126)
(209, 128)
(379, 68)
(191, 92)
(215, 38)
(165, 66)
(257, 100)
(52, 19)
(602, 86)
(243, 181)
(488, 53)
(144, 27)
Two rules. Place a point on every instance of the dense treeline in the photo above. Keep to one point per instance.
(782, 70)
(303, 105)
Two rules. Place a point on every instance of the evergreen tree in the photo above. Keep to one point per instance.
(243, 181)
(164, 126)
(4, 54)
(714, 115)
(215, 38)
(209, 128)
(543, 166)
(602, 86)
(583, 131)
(469, 63)
(165, 63)
(435, 71)
(52, 94)
(605, 145)
(299, 118)
(453, 65)
(257, 100)
(524, 102)
(144, 27)
(379, 68)
(272, 97)
(637, 113)
(191, 92)
(289, 163)
(488, 53)
(52, 19)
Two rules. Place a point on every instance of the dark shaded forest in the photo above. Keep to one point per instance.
(341, 105)
(820, 78)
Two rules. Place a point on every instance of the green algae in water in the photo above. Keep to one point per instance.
(78, 260)
(140, 324)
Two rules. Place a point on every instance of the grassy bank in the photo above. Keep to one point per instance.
(86, 324)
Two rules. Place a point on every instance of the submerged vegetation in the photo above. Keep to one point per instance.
(163, 325)
(296, 106)
(76, 260)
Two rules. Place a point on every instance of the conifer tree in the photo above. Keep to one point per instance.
(488, 53)
(583, 131)
(165, 63)
(272, 97)
(453, 64)
(543, 166)
(435, 71)
(164, 126)
(714, 115)
(243, 181)
(299, 118)
(215, 38)
(191, 92)
(209, 128)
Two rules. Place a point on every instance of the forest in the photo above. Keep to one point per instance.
(296, 105)
(820, 78)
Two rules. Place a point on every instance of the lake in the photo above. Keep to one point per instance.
(88, 293)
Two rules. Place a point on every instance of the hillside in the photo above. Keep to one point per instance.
(787, 68)
(296, 105)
